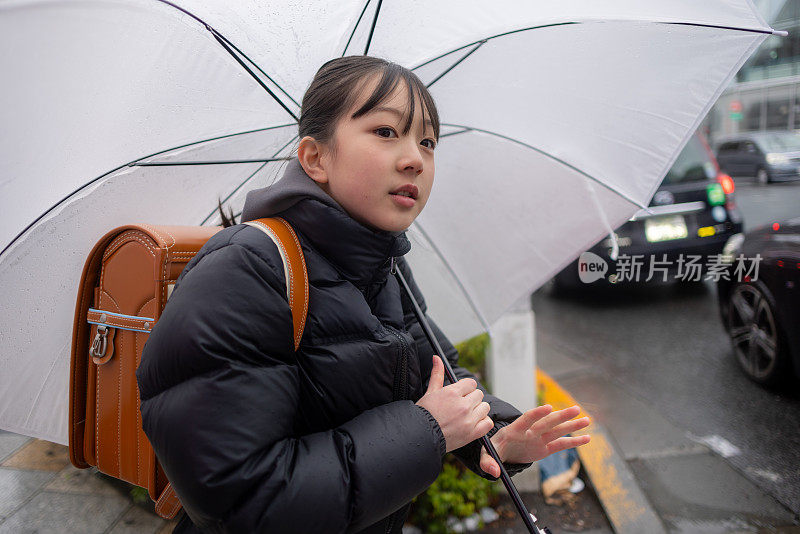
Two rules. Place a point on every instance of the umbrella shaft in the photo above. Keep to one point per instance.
(527, 517)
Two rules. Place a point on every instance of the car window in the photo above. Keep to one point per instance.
(693, 163)
(780, 142)
(731, 146)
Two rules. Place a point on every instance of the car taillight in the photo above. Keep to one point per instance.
(727, 183)
(728, 186)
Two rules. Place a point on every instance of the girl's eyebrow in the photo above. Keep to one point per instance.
(400, 114)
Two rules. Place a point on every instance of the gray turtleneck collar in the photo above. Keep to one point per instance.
(361, 253)
(293, 186)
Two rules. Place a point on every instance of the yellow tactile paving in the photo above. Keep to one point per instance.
(622, 499)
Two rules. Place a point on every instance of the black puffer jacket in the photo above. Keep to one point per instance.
(256, 437)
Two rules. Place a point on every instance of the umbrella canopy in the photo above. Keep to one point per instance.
(559, 121)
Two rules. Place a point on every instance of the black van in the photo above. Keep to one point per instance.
(768, 156)
(692, 215)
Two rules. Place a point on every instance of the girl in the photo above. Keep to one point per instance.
(341, 435)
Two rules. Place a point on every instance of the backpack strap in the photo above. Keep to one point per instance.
(168, 504)
(294, 265)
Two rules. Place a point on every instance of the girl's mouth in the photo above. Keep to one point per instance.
(407, 190)
(403, 200)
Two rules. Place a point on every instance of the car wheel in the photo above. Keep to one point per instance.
(758, 343)
(762, 176)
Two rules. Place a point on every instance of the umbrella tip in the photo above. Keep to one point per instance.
(780, 33)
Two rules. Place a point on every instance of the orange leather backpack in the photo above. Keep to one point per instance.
(126, 282)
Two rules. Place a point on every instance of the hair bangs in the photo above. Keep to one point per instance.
(391, 77)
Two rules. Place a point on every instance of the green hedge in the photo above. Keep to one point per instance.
(457, 492)
(472, 356)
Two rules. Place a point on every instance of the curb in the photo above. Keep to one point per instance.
(623, 501)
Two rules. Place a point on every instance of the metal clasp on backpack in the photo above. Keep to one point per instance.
(98, 348)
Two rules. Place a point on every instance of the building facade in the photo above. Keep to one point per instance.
(765, 94)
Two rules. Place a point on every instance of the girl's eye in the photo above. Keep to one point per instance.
(385, 132)
(431, 143)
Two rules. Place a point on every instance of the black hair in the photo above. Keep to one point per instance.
(335, 88)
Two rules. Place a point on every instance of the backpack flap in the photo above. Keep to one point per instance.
(88, 291)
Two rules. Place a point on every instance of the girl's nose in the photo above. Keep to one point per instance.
(411, 159)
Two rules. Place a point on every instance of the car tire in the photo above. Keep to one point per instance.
(762, 176)
(757, 339)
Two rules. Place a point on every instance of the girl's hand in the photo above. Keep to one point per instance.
(458, 408)
(533, 435)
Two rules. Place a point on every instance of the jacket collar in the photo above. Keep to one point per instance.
(362, 255)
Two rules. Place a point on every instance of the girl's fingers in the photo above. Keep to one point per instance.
(567, 443)
(524, 421)
(488, 464)
(475, 397)
(482, 410)
(565, 428)
(556, 418)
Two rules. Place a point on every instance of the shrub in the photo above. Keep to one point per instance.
(472, 356)
(139, 495)
(457, 492)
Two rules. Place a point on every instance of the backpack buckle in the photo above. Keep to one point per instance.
(100, 343)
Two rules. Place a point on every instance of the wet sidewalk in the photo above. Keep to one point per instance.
(647, 469)
(650, 476)
(41, 492)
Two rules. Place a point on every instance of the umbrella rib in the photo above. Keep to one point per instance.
(454, 65)
(720, 27)
(449, 268)
(259, 69)
(440, 56)
(372, 29)
(91, 182)
(352, 34)
(222, 42)
(464, 130)
(227, 198)
(39, 393)
(220, 162)
(546, 154)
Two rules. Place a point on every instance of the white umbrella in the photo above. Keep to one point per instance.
(559, 121)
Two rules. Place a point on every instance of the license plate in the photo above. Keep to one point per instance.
(665, 228)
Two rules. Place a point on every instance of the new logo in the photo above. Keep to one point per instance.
(591, 267)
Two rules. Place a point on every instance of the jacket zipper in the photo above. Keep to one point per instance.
(401, 387)
(390, 524)
(400, 391)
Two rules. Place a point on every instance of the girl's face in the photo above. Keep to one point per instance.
(379, 175)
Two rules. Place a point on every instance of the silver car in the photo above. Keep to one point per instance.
(768, 155)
